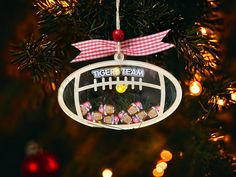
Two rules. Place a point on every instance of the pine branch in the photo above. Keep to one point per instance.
(39, 57)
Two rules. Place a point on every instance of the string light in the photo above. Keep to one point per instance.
(166, 155)
(221, 101)
(53, 86)
(233, 96)
(33, 167)
(107, 173)
(121, 88)
(227, 138)
(208, 32)
(216, 137)
(181, 155)
(195, 88)
(203, 30)
(158, 173)
(162, 165)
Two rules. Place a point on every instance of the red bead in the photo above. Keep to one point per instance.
(118, 35)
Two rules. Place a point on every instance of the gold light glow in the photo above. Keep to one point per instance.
(116, 71)
(64, 4)
(158, 173)
(195, 88)
(107, 173)
(221, 102)
(50, 5)
(210, 58)
(216, 137)
(207, 32)
(121, 88)
(162, 165)
(198, 76)
(233, 96)
(166, 155)
(203, 31)
(54, 87)
(227, 138)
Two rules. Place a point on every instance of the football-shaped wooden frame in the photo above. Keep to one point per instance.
(76, 76)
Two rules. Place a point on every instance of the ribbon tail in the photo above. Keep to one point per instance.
(91, 55)
(93, 49)
(146, 45)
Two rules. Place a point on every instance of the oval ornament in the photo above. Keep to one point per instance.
(123, 94)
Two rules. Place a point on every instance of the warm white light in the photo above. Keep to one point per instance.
(166, 155)
(195, 88)
(233, 96)
(162, 165)
(158, 173)
(221, 102)
(203, 30)
(107, 173)
(159, 169)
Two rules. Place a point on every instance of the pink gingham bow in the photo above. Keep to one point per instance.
(141, 46)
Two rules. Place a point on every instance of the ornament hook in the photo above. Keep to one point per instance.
(119, 56)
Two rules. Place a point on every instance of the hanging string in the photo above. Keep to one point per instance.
(118, 55)
(117, 14)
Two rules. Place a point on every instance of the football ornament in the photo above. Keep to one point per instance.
(120, 94)
(89, 95)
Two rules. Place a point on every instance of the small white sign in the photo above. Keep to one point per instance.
(117, 71)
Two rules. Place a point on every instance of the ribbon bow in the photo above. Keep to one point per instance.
(141, 46)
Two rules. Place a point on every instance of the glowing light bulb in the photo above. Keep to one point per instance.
(158, 173)
(121, 88)
(53, 86)
(233, 96)
(116, 71)
(166, 155)
(162, 165)
(221, 102)
(107, 173)
(195, 88)
(33, 167)
(203, 31)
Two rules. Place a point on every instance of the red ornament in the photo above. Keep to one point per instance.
(118, 35)
(40, 165)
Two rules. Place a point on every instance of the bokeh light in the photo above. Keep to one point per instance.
(158, 173)
(162, 165)
(195, 88)
(166, 155)
(107, 173)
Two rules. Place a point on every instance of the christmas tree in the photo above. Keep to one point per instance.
(198, 139)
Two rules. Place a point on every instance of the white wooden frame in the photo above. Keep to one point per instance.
(76, 75)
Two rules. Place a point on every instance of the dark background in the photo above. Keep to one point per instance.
(14, 15)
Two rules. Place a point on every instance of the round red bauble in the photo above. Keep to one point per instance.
(40, 165)
(118, 35)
